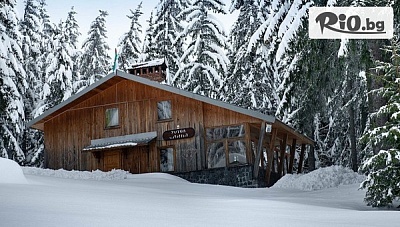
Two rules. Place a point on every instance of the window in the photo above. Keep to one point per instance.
(167, 159)
(225, 132)
(216, 155)
(237, 152)
(164, 110)
(226, 146)
(112, 118)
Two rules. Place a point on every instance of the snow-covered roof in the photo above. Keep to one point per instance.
(155, 62)
(121, 141)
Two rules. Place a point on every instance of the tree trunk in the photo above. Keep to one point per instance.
(353, 139)
(352, 127)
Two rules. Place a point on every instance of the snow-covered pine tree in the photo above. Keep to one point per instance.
(72, 34)
(48, 32)
(94, 62)
(274, 57)
(204, 62)
(58, 85)
(12, 84)
(31, 31)
(383, 169)
(72, 29)
(130, 43)
(241, 90)
(150, 51)
(167, 28)
(329, 93)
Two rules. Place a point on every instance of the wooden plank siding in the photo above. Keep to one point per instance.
(72, 129)
(69, 132)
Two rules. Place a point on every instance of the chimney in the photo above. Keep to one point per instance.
(153, 70)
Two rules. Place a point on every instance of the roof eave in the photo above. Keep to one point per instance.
(41, 119)
(38, 122)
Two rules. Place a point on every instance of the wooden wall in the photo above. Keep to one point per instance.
(68, 133)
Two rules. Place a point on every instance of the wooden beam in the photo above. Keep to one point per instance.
(311, 159)
(259, 151)
(292, 153)
(303, 150)
(270, 155)
(287, 165)
(282, 155)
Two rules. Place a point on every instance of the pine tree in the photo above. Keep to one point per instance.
(31, 35)
(167, 33)
(58, 86)
(31, 31)
(12, 84)
(150, 51)
(204, 62)
(274, 58)
(72, 34)
(383, 169)
(329, 98)
(130, 43)
(241, 90)
(94, 62)
(72, 29)
(48, 32)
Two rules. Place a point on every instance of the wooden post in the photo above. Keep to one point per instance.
(282, 155)
(311, 159)
(270, 155)
(259, 151)
(303, 150)
(292, 153)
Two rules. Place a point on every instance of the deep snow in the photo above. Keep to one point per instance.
(11, 172)
(71, 198)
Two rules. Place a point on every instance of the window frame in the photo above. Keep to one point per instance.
(244, 138)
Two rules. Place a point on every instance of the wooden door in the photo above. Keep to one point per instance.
(112, 160)
(138, 160)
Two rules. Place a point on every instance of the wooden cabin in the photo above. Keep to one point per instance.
(133, 122)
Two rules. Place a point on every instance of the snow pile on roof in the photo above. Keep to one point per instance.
(322, 178)
(115, 174)
(11, 172)
(152, 63)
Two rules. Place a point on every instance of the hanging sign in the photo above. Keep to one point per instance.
(176, 134)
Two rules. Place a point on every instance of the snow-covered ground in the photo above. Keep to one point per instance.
(117, 198)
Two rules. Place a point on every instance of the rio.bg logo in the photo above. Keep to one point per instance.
(351, 22)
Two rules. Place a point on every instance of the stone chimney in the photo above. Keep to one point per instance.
(152, 70)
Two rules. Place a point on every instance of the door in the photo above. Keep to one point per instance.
(112, 160)
(138, 160)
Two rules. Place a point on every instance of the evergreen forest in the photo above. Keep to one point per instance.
(342, 93)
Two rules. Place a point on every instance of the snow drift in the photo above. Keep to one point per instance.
(322, 178)
(11, 172)
(115, 174)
